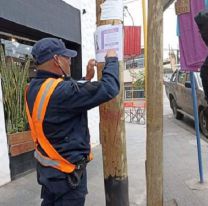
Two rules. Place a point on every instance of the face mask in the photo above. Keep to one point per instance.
(60, 67)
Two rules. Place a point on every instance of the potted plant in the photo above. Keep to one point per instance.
(14, 78)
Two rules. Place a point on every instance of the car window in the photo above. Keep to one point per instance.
(181, 77)
(188, 77)
(197, 78)
(173, 78)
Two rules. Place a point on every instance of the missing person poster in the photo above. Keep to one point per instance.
(108, 37)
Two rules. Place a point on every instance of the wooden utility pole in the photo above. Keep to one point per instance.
(112, 136)
(154, 166)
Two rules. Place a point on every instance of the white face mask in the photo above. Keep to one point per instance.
(69, 70)
(61, 68)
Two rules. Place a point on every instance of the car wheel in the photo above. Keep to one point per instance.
(203, 123)
(176, 113)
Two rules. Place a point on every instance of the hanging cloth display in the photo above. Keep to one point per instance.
(193, 50)
(206, 3)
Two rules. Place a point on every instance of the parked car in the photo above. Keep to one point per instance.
(178, 91)
(167, 73)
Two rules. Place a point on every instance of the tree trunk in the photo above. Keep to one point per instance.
(154, 166)
(112, 136)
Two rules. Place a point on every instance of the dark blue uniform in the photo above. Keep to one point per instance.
(66, 127)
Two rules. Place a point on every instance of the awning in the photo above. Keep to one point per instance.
(53, 17)
(167, 3)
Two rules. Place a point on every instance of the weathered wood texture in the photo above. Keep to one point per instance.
(154, 164)
(112, 137)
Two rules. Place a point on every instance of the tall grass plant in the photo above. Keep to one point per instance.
(14, 78)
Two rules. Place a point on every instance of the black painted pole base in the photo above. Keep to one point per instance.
(116, 191)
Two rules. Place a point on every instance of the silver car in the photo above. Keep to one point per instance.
(178, 90)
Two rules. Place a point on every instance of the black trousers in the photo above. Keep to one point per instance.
(75, 202)
(50, 199)
(57, 191)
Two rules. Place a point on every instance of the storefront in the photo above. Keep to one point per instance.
(22, 23)
(30, 21)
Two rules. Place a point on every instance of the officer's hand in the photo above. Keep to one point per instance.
(111, 53)
(90, 69)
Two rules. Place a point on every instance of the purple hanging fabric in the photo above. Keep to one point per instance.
(193, 50)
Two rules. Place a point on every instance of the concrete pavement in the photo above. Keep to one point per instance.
(26, 192)
(181, 163)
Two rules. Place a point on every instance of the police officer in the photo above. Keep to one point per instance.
(57, 107)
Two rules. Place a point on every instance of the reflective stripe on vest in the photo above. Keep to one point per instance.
(54, 159)
(45, 161)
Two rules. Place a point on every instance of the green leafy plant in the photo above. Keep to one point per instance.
(14, 77)
(139, 79)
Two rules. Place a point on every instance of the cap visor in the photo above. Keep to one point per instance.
(70, 53)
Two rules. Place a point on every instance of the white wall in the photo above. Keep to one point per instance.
(74, 3)
(88, 21)
(88, 24)
(4, 158)
(170, 39)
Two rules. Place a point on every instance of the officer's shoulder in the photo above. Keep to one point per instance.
(72, 84)
(65, 87)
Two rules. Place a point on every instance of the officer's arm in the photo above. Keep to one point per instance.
(91, 94)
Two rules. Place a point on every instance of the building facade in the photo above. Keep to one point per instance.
(134, 70)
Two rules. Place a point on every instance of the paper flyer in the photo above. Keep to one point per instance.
(108, 37)
(112, 9)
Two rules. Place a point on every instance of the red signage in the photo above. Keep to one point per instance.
(132, 41)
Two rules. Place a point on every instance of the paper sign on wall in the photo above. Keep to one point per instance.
(112, 9)
(108, 37)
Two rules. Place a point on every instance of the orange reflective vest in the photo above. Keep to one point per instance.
(54, 159)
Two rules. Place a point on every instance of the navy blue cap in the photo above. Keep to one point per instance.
(44, 50)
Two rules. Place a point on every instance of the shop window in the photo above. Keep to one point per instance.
(19, 52)
(135, 63)
(16, 50)
(130, 93)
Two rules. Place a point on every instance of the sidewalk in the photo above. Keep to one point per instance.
(180, 166)
(181, 163)
(26, 192)
(181, 160)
